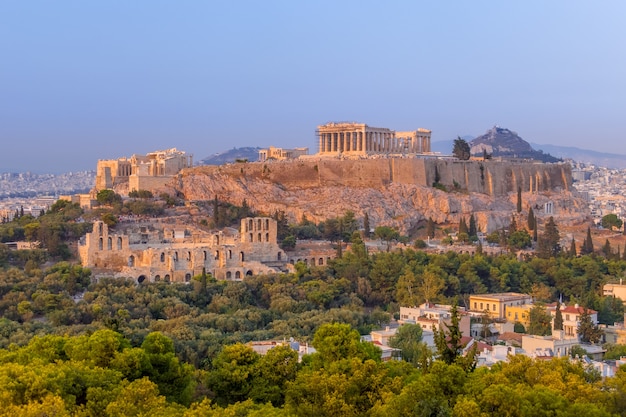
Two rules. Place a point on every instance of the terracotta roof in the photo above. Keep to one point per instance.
(510, 336)
(576, 310)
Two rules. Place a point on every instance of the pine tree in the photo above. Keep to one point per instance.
(532, 222)
(548, 244)
(519, 199)
(587, 331)
(449, 345)
(535, 232)
(558, 317)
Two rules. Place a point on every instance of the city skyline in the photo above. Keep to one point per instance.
(88, 81)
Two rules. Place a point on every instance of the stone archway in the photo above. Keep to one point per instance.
(141, 278)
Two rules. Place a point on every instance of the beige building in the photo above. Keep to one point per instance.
(177, 253)
(496, 304)
(430, 315)
(349, 138)
(142, 172)
(571, 318)
(280, 154)
(615, 290)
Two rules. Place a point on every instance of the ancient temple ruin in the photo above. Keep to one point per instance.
(349, 138)
(142, 172)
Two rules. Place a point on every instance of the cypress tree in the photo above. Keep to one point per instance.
(572, 249)
(532, 222)
(519, 199)
(366, 225)
(216, 212)
(430, 228)
(535, 232)
(606, 249)
(588, 242)
(463, 226)
(558, 317)
(472, 226)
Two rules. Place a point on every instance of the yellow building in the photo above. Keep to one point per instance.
(519, 314)
(496, 304)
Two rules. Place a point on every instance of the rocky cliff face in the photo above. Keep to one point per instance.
(394, 192)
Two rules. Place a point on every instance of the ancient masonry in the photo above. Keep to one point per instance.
(176, 254)
(142, 172)
(360, 139)
(281, 154)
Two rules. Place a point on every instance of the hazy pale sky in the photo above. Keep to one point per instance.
(88, 80)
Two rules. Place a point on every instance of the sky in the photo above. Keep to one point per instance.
(88, 80)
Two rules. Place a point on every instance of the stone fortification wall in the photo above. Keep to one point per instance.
(489, 177)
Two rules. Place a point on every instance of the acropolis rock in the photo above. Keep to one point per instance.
(394, 191)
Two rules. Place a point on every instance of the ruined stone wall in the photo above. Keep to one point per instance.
(166, 256)
(153, 184)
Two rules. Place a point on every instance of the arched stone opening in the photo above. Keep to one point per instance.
(167, 278)
(162, 257)
(100, 244)
(131, 261)
(141, 279)
(110, 243)
(249, 273)
(187, 277)
(119, 243)
(229, 275)
(157, 278)
(237, 275)
(321, 261)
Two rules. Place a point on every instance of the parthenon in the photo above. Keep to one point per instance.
(360, 139)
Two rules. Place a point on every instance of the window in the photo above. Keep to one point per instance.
(494, 307)
(162, 257)
(110, 243)
(119, 243)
